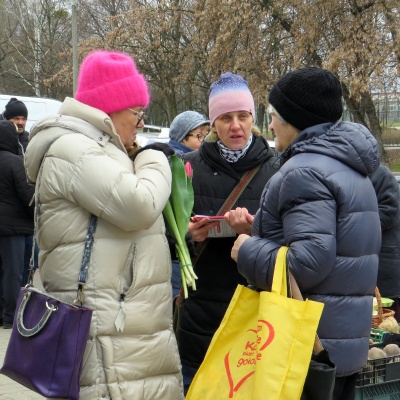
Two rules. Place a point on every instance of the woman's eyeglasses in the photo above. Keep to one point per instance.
(138, 114)
(199, 136)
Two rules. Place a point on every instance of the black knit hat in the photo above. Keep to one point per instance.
(15, 108)
(307, 96)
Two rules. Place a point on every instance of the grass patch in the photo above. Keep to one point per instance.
(395, 167)
(391, 136)
(393, 124)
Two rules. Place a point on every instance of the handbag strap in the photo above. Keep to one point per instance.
(87, 251)
(228, 204)
(87, 248)
(296, 294)
(238, 190)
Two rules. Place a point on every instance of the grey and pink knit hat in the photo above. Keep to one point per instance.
(230, 93)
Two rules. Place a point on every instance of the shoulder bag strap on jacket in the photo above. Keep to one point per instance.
(88, 242)
(228, 204)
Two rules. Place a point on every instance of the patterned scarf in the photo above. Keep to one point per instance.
(233, 156)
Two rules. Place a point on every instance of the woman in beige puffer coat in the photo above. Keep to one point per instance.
(131, 352)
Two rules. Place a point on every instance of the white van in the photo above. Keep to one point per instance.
(151, 133)
(38, 107)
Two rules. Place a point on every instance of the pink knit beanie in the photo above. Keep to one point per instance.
(230, 93)
(110, 82)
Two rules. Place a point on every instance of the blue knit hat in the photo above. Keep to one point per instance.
(185, 122)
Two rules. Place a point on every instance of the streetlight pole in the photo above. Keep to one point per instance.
(74, 47)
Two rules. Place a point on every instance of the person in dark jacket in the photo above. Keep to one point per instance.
(388, 195)
(16, 219)
(187, 131)
(323, 206)
(233, 147)
(17, 112)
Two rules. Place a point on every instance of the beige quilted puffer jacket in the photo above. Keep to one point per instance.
(87, 170)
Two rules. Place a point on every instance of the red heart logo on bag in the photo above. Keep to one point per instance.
(240, 361)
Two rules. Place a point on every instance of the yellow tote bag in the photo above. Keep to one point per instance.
(263, 346)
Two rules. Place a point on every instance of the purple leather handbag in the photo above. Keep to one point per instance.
(49, 337)
(47, 343)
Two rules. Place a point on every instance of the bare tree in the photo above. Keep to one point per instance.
(353, 38)
(158, 34)
(184, 45)
(36, 32)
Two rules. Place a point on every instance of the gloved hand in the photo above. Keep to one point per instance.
(172, 242)
(190, 244)
(163, 147)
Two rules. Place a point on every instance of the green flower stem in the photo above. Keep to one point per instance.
(186, 268)
(187, 274)
(177, 213)
(184, 285)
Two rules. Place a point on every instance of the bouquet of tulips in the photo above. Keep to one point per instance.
(177, 214)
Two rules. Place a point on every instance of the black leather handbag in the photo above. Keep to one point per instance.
(320, 380)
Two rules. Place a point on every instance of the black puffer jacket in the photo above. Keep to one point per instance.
(23, 139)
(323, 206)
(16, 216)
(388, 194)
(213, 180)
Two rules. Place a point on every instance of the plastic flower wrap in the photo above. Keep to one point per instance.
(177, 214)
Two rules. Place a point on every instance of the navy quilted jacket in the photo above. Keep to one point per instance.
(388, 194)
(323, 206)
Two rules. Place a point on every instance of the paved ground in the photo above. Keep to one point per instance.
(10, 390)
